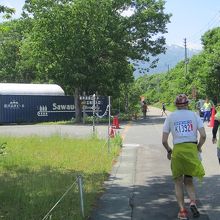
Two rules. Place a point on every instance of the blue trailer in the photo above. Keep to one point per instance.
(31, 103)
(33, 108)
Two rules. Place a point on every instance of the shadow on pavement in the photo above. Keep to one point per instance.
(156, 200)
(149, 120)
(209, 195)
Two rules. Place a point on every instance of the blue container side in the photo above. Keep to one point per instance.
(32, 108)
(40, 108)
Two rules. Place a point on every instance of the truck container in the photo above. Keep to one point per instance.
(35, 108)
(30, 103)
(41, 108)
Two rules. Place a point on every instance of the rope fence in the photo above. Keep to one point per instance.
(48, 214)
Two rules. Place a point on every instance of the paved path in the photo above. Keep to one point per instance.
(140, 186)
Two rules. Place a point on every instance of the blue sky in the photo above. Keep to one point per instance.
(191, 18)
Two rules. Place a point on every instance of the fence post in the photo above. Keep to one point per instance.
(84, 108)
(93, 113)
(80, 186)
(109, 122)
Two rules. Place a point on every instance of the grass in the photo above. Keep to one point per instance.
(36, 171)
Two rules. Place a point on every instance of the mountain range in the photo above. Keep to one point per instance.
(174, 54)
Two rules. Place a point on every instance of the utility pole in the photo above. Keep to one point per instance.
(186, 59)
(168, 68)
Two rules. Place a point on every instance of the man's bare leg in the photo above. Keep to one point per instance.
(179, 191)
(188, 181)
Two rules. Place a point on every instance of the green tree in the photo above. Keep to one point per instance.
(198, 73)
(211, 42)
(6, 11)
(12, 36)
(84, 45)
(203, 74)
(9, 51)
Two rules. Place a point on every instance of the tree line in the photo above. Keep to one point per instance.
(82, 45)
(201, 80)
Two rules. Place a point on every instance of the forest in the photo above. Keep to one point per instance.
(86, 46)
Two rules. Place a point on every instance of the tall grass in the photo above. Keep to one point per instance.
(36, 171)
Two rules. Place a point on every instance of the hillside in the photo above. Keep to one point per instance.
(174, 54)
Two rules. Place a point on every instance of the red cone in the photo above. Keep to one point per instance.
(115, 122)
(211, 124)
(112, 133)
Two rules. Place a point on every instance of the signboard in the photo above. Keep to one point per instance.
(99, 103)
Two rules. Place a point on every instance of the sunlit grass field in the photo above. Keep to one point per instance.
(36, 171)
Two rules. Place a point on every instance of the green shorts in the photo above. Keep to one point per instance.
(185, 161)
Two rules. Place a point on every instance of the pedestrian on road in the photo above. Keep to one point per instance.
(185, 163)
(144, 109)
(163, 109)
(216, 129)
(207, 110)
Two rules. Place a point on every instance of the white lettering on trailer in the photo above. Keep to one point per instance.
(62, 107)
(13, 105)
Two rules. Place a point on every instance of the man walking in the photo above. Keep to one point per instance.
(144, 109)
(163, 109)
(183, 124)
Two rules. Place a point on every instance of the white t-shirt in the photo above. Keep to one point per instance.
(183, 124)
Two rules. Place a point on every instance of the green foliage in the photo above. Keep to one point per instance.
(86, 44)
(9, 51)
(202, 77)
(11, 65)
(117, 140)
(7, 12)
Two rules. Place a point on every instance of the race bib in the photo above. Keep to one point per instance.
(183, 128)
